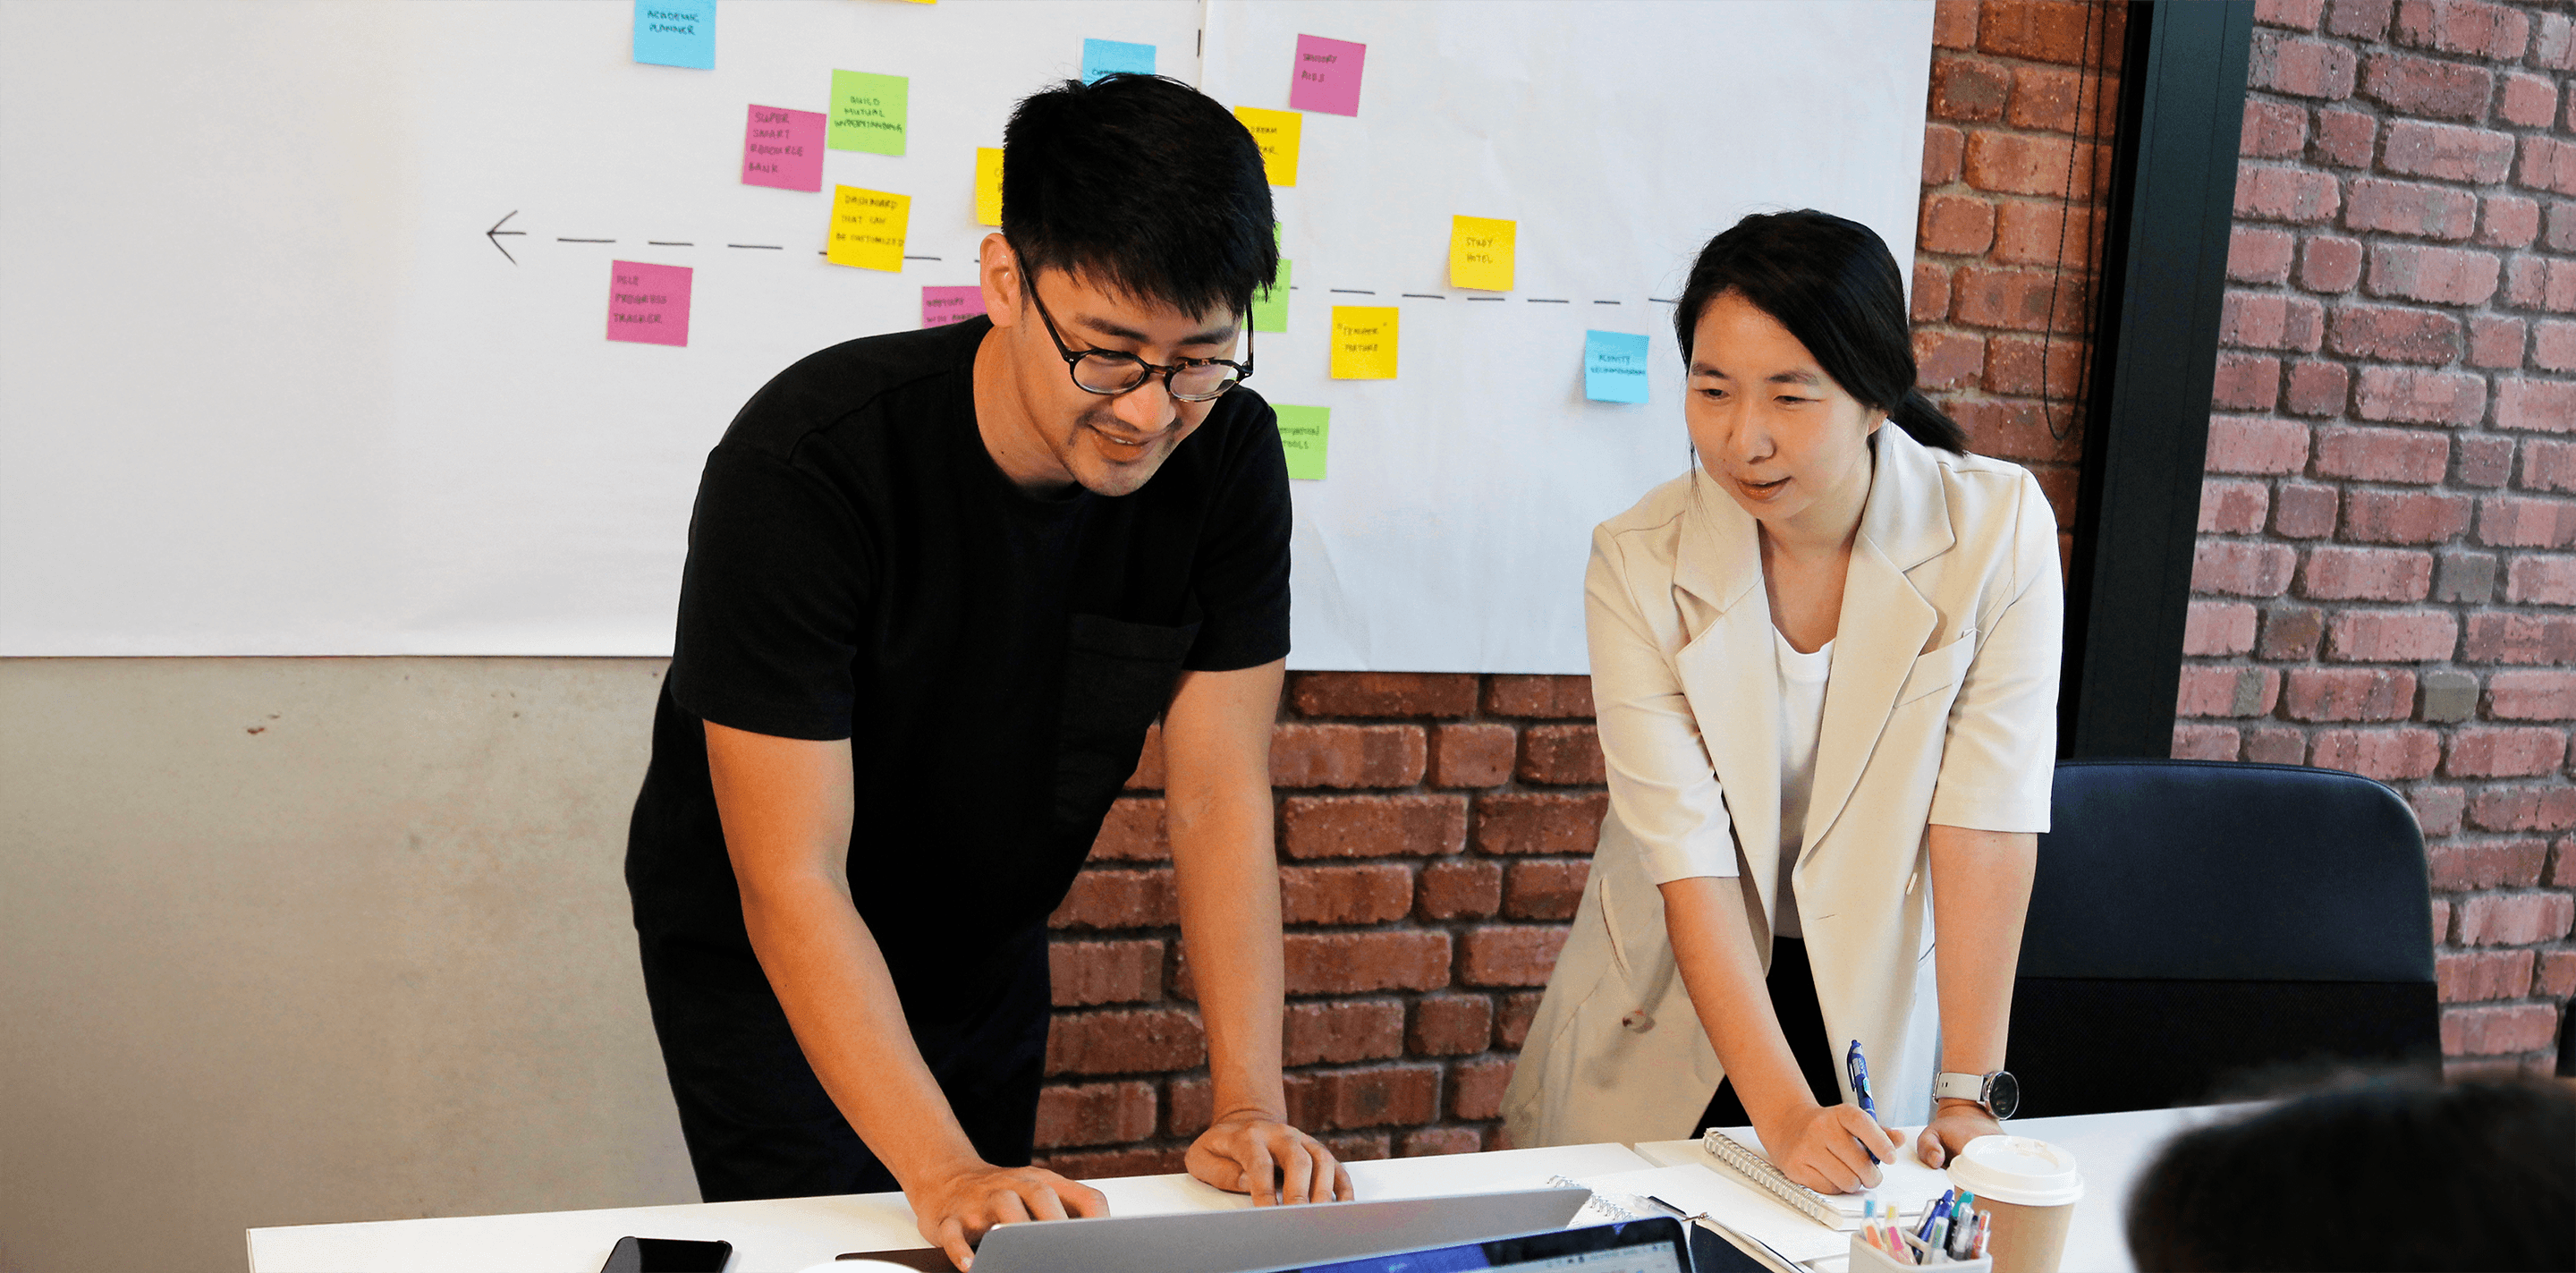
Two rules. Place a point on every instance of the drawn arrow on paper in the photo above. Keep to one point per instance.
(495, 233)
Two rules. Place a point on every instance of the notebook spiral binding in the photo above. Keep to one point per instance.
(1758, 1171)
(1611, 1212)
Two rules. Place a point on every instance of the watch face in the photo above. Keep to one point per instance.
(2003, 1093)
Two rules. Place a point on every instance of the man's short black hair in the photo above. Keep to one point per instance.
(1143, 184)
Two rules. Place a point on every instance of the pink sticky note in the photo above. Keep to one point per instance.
(941, 306)
(648, 304)
(1327, 77)
(783, 148)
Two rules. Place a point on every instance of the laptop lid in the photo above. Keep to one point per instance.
(1269, 1237)
(1655, 1245)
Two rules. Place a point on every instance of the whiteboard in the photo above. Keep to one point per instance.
(269, 386)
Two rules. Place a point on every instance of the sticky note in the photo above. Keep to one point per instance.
(783, 148)
(1327, 76)
(869, 112)
(1108, 57)
(1270, 304)
(941, 306)
(676, 33)
(1480, 253)
(648, 304)
(1302, 433)
(988, 185)
(1614, 367)
(868, 228)
(1276, 133)
(1364, 342)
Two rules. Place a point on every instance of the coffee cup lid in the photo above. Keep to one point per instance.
(2018, 1170)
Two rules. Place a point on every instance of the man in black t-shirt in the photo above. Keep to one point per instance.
(939, 585)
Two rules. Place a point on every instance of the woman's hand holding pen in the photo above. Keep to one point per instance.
(1954, 1124)
(1828, 1148)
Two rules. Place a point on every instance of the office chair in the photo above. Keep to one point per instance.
(2195, 924)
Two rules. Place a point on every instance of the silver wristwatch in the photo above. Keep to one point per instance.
(1999, 1092)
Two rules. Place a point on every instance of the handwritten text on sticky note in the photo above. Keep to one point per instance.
(676, 33)
(1109, 57)
(941, 306)
(988, 185)
(868, 228)
(648, 304)
(1327, 76)
(1364, 342)
(1276, 132)
(1480, 253)
(783, 148)
(1302, 434)
(1614, 367)
(870, 112)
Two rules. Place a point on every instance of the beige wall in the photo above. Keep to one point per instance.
(287, 941)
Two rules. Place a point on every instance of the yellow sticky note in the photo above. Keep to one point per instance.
(1364, 342)
(1276, 132)
(1480, 253)
(988, 186)
(868, 228)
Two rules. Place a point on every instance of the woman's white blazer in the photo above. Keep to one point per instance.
(1940, 706)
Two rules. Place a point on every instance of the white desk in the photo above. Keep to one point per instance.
(786, 1234)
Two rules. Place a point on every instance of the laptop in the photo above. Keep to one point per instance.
(1657, 1245)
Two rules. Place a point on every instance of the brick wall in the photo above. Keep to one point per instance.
(2384, 576)
(1435, 830)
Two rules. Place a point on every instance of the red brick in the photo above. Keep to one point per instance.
(2272, 130)
(1477, 1089)
(2388, 455)
(1930, 302)
(1088, 973)
(2557, 979)
(2317, 388)
(2366, 574)
(2385, 754)
(1134, 1041)
(2044, 233)
(2345, 139)
(1190, 1105)
(2553, 44)
(1372, 826)
(2391, 636)
(1944, 148)
(1510, 955)
(2522, 521)
(2562, 214)
(2531, 282)
(2548, 466)
(1544, 889)
(2421, 395)
(2013, 365)
(2545, 808)
(1427, 1142)
(1303, 755)
(2541, 580)
(1550, 697)
(1451, 1025)
(1954, 24)
(1356, 963)
(2529, 101)
(2506, 221)
(1460, 890)
(1473, 755)
(2485, 461)
(2439, 276)
(2461, 26)
(2514, 919)
(2013, 163)
(1533, 822)
(1382, 694)
(2495, 342)
(1342, 1031)
(2275, 745)
(1369, 894)
(2548, 164)
(1149, 763)
(2011, 430)
(2471, 976)
(1359, 1146)
(2269, 192)
(2520, 638)
(2437, 811)
(1133, 832)
(2403, 517)
(2547, 406)
(2490, 1031)
(2218, 629)
(2246, 444)
(2492, 751)
(2242, 569)
(2301, 67)
(1115, 1163)
(2449, 152)
(2040, 30)
(2400, 207)
(2360, 19)
(1512, 1023)
(1118, 899)
(2340, 694)
(1947, 359)
(1561, 755)
(2441, 921)
(2270, 320)
(1967, 89)
(1094, 1113)
(2229, 507)
(2553, 346)
(2291, 634)
(2295, 15)
(1379, 1096)
(2422, 86)
(2204, 742)
(2018, 300)
(2397, 335)
(2302, 510)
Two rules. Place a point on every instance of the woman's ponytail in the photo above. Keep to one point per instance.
(1928, 424)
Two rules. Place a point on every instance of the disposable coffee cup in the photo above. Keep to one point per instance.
(2030, 1187)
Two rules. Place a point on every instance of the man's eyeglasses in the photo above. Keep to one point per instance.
(1108, 372)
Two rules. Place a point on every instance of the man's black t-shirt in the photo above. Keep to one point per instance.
(859, 568)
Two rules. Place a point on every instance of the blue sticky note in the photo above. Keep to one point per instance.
(1614, 367)
(676, 33)
(1107, 57)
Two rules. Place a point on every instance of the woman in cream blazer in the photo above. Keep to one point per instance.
(1810, 553)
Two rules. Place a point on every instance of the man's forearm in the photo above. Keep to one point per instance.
(1980, 895)
(1228, 878)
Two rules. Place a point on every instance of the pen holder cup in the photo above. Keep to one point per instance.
(1869, 1259)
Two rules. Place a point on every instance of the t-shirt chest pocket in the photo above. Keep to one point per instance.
(1118, 676)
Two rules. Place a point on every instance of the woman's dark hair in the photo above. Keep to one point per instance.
(1832, 283)
(1143, 183)
(2388, 1175)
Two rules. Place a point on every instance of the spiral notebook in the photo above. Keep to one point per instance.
(1904, 1184)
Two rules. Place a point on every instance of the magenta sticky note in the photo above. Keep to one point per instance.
(941, 306)
(783, 148)
(1327, 76)
(648, 304)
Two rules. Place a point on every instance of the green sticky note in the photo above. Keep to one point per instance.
(1270, 304)
(869, 112)
(1303, 431)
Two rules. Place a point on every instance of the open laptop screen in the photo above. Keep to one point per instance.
(1645, 1246)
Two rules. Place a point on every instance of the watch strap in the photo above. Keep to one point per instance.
(1959, 1087)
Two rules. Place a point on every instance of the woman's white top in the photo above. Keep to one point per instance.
(1802, 720)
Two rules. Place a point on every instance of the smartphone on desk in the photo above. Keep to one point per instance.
(667, 1255)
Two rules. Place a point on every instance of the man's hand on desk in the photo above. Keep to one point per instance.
(1246, 1152)
(955, 1210)
(1954, 1124)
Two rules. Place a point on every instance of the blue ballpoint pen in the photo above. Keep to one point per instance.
(1858, 1067)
